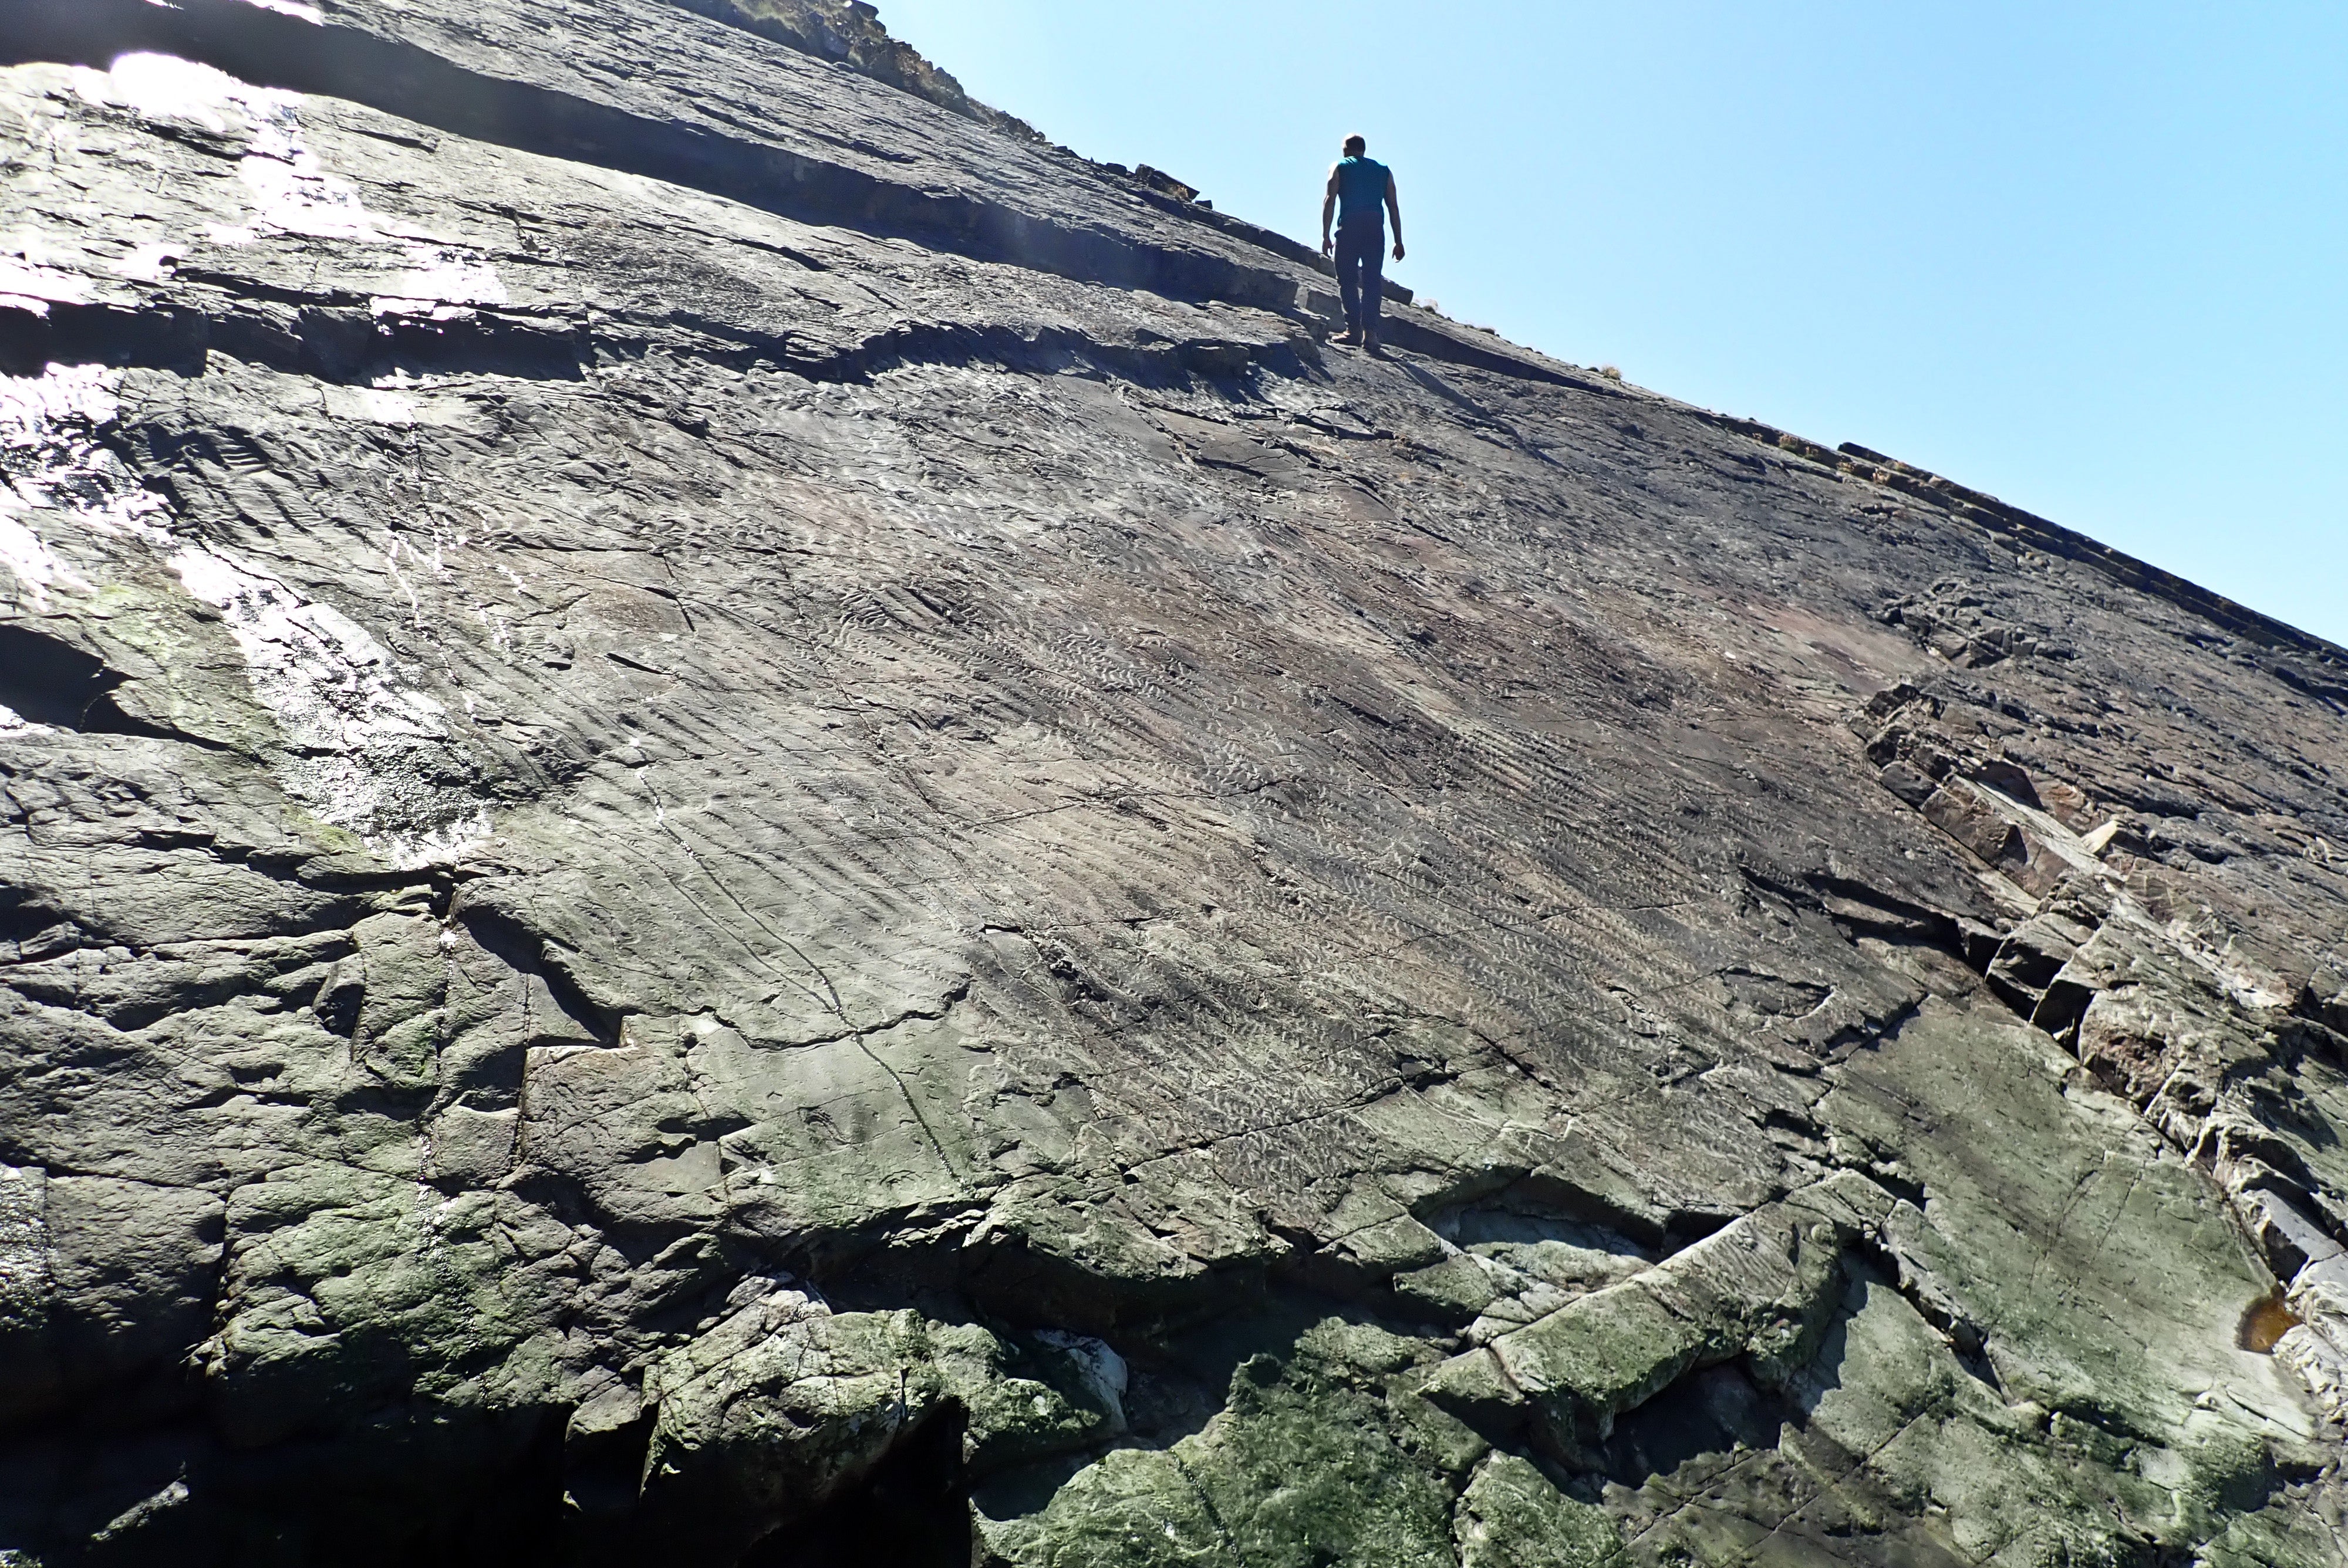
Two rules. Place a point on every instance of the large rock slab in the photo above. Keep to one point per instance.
(741, 820)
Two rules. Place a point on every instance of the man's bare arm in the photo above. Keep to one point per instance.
(1393, 206)
(1328, 211)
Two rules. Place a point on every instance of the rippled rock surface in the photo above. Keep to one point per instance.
(742, 822)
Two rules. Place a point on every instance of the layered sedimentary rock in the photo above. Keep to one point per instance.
(745, 822)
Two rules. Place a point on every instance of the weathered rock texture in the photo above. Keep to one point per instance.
(740, 823)
(850, 33)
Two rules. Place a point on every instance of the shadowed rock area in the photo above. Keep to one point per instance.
(742, 822)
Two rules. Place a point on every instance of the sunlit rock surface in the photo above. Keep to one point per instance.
(745, 822)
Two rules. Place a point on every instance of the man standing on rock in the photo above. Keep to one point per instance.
(1361, 193)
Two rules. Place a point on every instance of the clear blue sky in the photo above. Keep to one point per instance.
(2089, 257)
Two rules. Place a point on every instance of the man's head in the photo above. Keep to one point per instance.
(1355, 145)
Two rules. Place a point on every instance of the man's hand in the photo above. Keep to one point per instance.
(1328, 246)
(1398, 249)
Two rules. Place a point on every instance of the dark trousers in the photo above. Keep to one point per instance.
(1361, 274)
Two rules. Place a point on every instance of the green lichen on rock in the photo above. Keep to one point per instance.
(1319, 1458)
(763, 1418)
(2019, 1423)
(1513, 1516)
(1027, 1397)
(345, 1287)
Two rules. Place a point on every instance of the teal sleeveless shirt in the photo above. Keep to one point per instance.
(1361, 192)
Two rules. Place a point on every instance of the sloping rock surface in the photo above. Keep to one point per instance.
(741, 822)
(850, 33)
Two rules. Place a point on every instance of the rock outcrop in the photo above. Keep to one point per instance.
(850, 33)
(742, 822)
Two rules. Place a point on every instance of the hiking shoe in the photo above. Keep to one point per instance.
(1350, 338)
